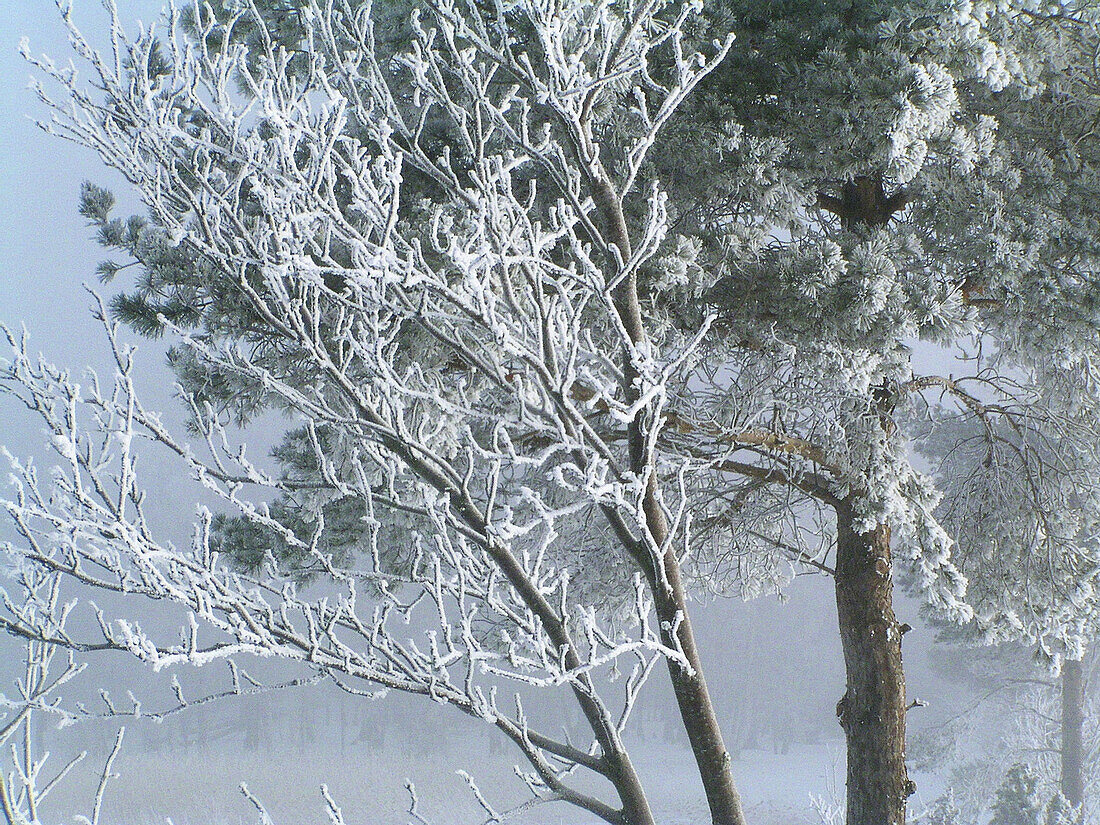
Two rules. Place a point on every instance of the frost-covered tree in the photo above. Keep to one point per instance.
(1061, 812)
(1018, 801)
(528, 306)
(1007, 708)
(944, 811)
(429, 261)
(1019, 478)
(947, 149)
(718, 412)
(1017, 473)
(27, 776)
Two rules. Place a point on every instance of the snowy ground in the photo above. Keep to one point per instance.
(201, 789)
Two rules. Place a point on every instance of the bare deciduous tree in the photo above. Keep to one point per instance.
(473, 368)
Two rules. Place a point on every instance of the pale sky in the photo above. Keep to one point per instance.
(47, 251)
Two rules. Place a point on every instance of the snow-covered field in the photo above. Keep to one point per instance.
(201, 788)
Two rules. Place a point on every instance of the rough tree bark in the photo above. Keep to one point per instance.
(1073, 722)
(872, 710)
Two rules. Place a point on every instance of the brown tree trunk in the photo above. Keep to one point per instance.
(872, 710)
(694, 703)
(670, 601)
(628, 785)
(1073, 722)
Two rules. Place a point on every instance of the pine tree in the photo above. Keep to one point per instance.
(1061, 812)
(1018, 801)
(944, 811)
(935, 224)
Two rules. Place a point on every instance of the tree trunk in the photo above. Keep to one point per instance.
(1073, 722)
(694, 703)
(663, 574)
(872, 710)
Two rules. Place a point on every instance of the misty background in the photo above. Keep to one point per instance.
(774, 664)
